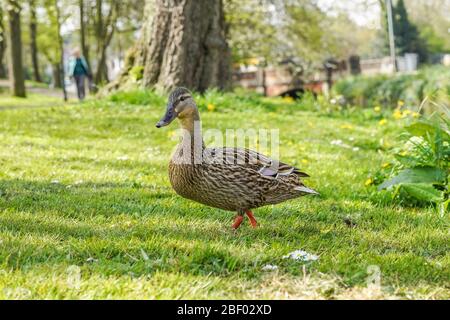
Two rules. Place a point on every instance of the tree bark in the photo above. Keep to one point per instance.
(33, 42)
(182, 44)
(104, 31)
(61, 50)
(2, 46)
(16, 74)
(56, 75)
(84, 45)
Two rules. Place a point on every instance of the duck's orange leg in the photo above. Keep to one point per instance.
(251, 218)
(237, 221)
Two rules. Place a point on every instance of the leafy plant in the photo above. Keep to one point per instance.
(137, 73)
(420, 171)
(370, 91)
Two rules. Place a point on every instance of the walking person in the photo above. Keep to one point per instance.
(79, 70)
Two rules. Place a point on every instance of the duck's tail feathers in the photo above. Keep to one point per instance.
(306, 190)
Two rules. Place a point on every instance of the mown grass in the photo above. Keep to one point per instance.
(87, 211)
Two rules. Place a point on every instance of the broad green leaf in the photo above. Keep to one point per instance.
(423, 128)
(416, 175)
(423, 192)
(408, 161)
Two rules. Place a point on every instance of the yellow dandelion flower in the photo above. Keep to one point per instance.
(304, 161)
(368, 182)
(211, 107)
(407, 112)
(288, 99)
(377, 109)
(397, 114)
(346, 126)
(400, 103)
(382, 122)
(415, 115)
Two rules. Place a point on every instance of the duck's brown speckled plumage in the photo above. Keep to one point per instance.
(232, 179)
(233, 185)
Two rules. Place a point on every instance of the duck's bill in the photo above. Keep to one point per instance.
(168, 117)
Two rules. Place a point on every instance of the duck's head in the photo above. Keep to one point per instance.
(180, 105)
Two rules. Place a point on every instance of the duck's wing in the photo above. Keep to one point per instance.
(257, 179)
(264, 165)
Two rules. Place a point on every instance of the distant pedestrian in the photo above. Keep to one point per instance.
(79, 71)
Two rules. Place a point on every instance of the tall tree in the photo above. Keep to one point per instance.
(16, 73)
(431, 18)
(407, 37)
(83, 31)
(33, 42)
(250, 31)
(182, 44)
(49, 37)
(2, 45)
(276, 30)
(104, 23)
(61, 48)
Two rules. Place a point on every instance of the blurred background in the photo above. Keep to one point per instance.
(360, 93)
(274, 47)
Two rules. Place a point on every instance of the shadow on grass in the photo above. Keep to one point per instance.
(120, 229)
(44, 223)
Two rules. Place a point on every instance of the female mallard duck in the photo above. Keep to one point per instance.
(231, 179)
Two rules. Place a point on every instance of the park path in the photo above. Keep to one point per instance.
(45, 91)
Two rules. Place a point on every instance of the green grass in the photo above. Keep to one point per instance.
(87, 211)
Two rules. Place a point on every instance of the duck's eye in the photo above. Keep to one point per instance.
(182, 98)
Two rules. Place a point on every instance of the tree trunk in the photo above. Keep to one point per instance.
(182, 44)
(61, 50)
(84, 46)
(102, 70)
(105, 26)
(16, 74)
(33, 43)
(56, 73)
(2, 46)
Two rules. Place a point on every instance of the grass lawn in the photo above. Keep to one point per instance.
(87, 211)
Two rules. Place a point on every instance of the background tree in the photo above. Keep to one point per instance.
(276, 30)
(407, 37)
(104, 24)
(182, 44)
(106, 27)
(432, 20)
(33, 41)
(2, 44)
(16, 73)
(84, 23)
(250, 30)
(60, 42)
(48, 40)
(304, 27)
